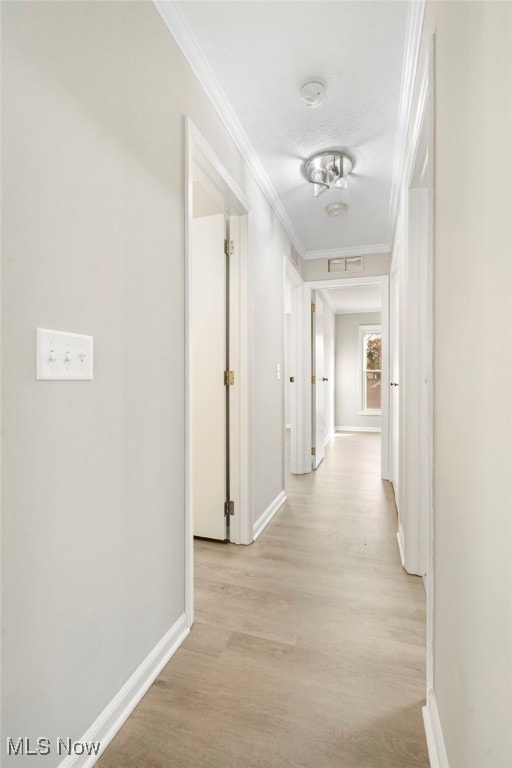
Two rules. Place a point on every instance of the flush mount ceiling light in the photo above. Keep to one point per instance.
(336, 209)
(312, 92)
(327, 169)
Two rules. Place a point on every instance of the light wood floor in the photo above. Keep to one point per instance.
(308, 646)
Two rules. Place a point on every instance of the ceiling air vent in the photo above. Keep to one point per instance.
(346, 264)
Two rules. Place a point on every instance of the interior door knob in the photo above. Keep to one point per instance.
(292, 379)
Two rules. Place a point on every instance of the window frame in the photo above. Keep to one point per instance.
(364, 330)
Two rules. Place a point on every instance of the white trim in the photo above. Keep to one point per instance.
(124, 702)
(354, 250)
(328, 438)
(363, 330)
(358, 429)
(338, 282)
(437, 755)
(383, 282)
(327, 300)
(265, 518)
(189, 523)
(411, 55)
(400, 540)
(198, 151)
(417, 125)
(179, 28)
(364, 311)
(430, 117)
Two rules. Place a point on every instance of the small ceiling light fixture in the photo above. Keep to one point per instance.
(327, 169)
(312, 92)
(336, 209)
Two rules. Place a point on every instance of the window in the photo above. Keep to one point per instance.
(370, 369)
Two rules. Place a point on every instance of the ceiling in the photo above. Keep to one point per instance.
(259, 53)
(354, 298)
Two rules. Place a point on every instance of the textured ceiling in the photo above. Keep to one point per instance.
(354, 298)
(261, 52)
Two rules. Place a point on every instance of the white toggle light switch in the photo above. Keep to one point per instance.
(63, 356)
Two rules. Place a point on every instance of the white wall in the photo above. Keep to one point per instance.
(347, 370)
(94, 96)
(472, 407)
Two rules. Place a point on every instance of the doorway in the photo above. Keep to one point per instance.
(217, 357)
(344, 394)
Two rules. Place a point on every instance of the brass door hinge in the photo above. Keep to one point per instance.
(313, 307)
(313, 451)
(229, 508)
(229, 378)
(229, 247)
(313, 379)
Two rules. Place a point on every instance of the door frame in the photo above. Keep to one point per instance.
(317, 456)
(419, 178)
(383, 282)
(198, 153)
(300, 457)
(395, 291)
(424, 140)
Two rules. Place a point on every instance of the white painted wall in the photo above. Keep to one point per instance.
(94, 96)
(347, 370)
(472, 409)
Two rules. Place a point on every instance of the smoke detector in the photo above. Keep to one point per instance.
(312, 92)
(336, 209)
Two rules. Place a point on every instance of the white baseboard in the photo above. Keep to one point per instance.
(401, 544)
(124, 702)
(265, 518)
(434, 733)
(328, 438)
(357, 429)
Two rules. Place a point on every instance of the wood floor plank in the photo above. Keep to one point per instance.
(309, 646)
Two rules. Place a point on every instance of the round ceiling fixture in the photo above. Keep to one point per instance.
(336, 209)
(312, 92)
(326, 169)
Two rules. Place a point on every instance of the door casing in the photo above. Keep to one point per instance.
(383, 282)
(199, 157)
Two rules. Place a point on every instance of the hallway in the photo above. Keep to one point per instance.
(308, 646)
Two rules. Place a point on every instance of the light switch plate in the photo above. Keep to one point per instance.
(63, 356)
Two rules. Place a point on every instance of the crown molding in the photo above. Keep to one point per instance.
(411, 56)
(179, 28)
(338, 253)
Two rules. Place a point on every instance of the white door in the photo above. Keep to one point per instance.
(209, 411)
(317, 380)
(394, 399)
